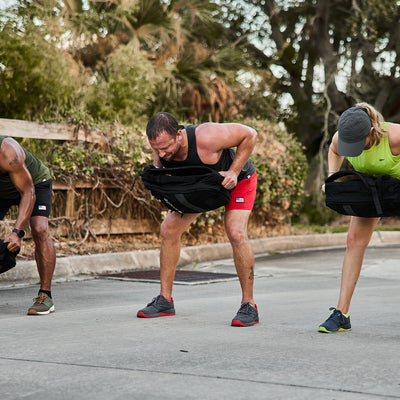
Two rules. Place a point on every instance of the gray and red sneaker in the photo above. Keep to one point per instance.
(158, 307)
(246, 316)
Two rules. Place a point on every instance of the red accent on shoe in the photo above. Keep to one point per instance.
(169, 301)
(236, 322)
(142, 315)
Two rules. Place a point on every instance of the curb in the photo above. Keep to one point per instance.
(149, 259)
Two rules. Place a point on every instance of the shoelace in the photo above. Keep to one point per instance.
(155, 300)
(152, 301)
(245, 308)
(336, 315)
(40, 298)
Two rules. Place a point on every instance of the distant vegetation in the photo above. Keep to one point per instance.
(110, 65)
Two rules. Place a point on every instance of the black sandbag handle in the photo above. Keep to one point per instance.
(371, 187)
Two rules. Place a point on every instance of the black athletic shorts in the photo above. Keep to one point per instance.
(42, 207)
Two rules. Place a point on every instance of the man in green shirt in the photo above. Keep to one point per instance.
(26, 182)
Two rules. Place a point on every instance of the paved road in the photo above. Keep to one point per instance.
(94, 347)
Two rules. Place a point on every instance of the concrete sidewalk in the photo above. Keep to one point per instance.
(116, 262)
(94, 348)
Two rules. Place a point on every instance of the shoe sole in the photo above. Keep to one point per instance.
(236, 322)
(34, 312)
(324, 330)
(143, 315)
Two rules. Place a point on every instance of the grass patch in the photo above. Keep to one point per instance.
(320, 228)
(388, 228)
(338, 228)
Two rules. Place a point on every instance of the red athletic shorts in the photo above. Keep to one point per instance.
(244, 194)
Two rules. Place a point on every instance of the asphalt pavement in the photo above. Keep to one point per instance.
(94, 346)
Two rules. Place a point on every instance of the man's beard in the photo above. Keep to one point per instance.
(171, 156)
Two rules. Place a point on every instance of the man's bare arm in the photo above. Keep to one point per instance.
(12, 161)
(213, 138)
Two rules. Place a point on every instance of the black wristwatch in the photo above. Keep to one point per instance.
(19, 232)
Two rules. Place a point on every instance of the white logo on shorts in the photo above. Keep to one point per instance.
(42, 208)
(239, 199)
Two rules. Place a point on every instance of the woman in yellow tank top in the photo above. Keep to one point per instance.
(372, 146)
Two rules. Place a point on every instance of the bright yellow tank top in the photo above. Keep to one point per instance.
(378, 160)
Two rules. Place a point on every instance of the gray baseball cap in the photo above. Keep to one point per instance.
(353, 127)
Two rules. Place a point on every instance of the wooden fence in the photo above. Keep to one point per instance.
(37, 130)
(63, 225)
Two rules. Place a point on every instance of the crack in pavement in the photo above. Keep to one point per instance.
(188, 374)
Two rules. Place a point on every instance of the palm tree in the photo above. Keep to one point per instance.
(186, 46)
(180, 37)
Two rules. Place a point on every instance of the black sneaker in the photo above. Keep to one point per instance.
(158, 307)
(246, 316)
(336, 322)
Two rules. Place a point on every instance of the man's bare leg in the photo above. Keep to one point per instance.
(236, 222)
(172, 229)
(45, 254)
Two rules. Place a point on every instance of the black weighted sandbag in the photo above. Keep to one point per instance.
(189, 189)
(364, 196)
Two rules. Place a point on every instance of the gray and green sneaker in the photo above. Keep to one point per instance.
(42, 305)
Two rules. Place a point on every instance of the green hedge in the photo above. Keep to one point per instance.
(279, 159)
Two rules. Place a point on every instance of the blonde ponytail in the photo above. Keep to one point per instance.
(376, 118)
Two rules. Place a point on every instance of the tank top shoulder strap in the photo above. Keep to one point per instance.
(192, 157)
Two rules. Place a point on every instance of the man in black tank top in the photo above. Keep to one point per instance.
(26, 182)
(209, 144)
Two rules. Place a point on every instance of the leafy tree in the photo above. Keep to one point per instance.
(175, 55)
(178, 37)
(127, 90)
(37, 79)
(326, 55)
(114, 63)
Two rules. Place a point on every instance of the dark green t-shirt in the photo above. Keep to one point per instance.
(36, 168)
